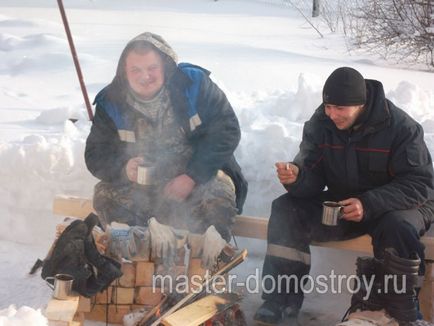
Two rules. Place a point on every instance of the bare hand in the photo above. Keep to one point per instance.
(353, 209)
(131, 168)
(179, 188)
(287, 172)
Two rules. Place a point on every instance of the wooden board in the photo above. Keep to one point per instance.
(72, 206)
(245, 226)
(362, 244)
(201, 310)
(250, 227)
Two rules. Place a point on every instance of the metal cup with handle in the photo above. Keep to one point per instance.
(146, 175)
(331, 213)
(62, 286)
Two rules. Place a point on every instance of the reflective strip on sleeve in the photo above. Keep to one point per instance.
(195, 122)
(127, 136)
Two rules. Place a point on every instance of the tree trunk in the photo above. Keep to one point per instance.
(315, 8)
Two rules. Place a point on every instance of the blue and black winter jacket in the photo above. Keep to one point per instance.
(201, 109)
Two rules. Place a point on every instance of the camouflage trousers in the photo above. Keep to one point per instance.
(211, 203)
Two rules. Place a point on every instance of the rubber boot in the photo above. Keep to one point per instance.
(366, 269)
(399, 292)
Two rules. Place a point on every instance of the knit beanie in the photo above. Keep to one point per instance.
(346, 87)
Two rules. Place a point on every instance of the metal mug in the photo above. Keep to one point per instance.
(146, 175)
(331, 213)
(62, 286)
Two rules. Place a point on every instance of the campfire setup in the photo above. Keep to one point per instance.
(149, 293)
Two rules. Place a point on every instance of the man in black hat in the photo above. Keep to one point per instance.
(360, 150)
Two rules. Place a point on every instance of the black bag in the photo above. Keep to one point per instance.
(75, 253)
(68, 256)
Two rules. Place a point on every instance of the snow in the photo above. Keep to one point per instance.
(22, 317)
(266, 58)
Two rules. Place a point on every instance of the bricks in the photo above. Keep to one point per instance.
(148, 295)
(144, 273)
(104, 297)
(122, 295)
(195, 273)
(84, 304)
(134, 290)
(128, 279)
(115, 313)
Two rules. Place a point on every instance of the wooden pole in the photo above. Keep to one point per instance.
(75, 59)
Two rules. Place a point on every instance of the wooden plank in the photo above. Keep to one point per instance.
(362, 244)
(245, 226)
(72, 206)
(250, 227)
(201, 310)
(426, 294)
(428, 241)
(62, 310)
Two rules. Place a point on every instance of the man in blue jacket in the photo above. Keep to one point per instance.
(360, 150)
(162, 144)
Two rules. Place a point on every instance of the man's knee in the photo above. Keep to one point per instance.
(394, 230)
(282, 203)
(395, 223)
(214, 203)
(288, 210)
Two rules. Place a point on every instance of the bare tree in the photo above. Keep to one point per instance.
(401, 29)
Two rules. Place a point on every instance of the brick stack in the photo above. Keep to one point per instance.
(135, 289)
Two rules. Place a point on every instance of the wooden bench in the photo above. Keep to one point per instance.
(256, 227)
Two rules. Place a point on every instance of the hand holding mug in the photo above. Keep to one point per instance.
(352, 210)
(132, 166)
(287, 172)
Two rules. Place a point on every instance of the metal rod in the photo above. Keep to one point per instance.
(75, 59)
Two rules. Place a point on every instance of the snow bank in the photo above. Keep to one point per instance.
(32, 172)
(24, 316)
(10, 42)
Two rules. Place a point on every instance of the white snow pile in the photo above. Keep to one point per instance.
(32, 172)
(24, 316)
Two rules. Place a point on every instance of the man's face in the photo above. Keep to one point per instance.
(145, 73)
(343, 116)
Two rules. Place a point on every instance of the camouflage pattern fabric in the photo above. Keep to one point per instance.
(161, 141)
(159, 138)
(211, 203)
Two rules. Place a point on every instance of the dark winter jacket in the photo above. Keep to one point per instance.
(384, 161)
(201, 109)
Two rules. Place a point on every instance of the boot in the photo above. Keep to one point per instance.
(406, 271)
(107, 268)
(399, 296)
(367, 267)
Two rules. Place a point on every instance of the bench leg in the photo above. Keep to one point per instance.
(426, 294)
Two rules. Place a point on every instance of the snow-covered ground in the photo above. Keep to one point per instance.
(266, 58)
